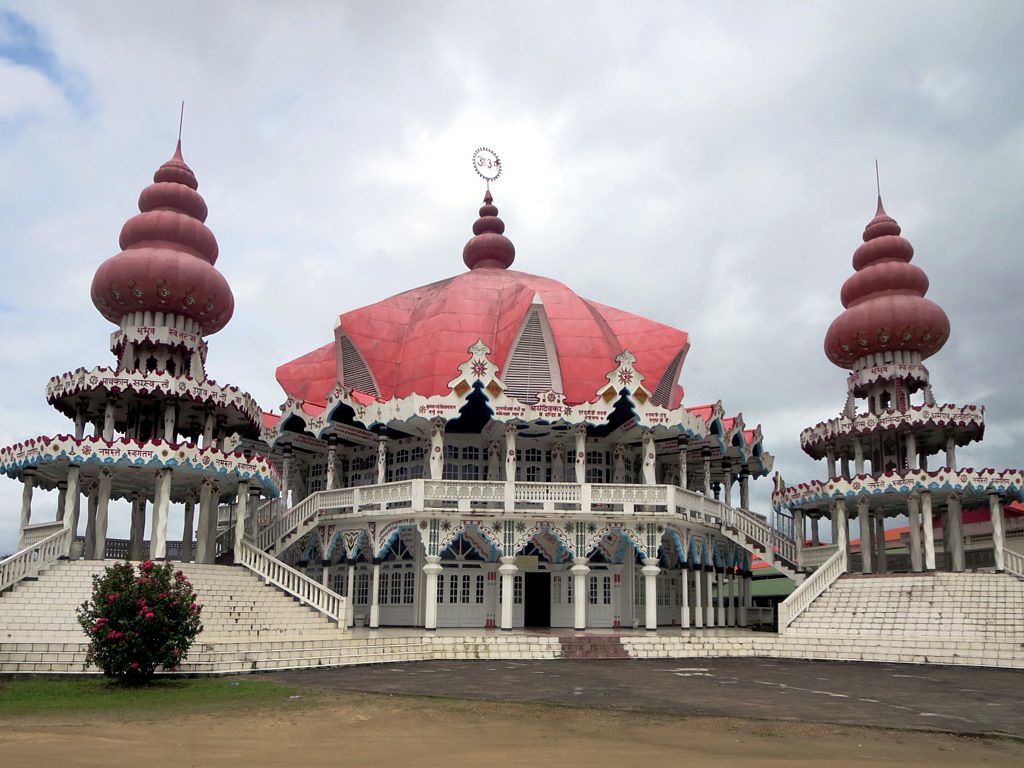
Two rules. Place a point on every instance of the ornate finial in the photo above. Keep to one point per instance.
(181, 119)
(487, 165)
(878, 184)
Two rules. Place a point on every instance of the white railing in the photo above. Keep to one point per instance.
(1013, 562)
(811, 588)
(36, 532)
(272, 535)
(298, 585)
(815, 557)
(32, 559)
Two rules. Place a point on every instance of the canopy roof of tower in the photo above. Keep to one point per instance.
(414, 342)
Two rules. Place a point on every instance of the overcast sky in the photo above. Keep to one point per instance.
(708, 165)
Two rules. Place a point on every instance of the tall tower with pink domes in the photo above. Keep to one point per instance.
(892, 450)
(152, 429)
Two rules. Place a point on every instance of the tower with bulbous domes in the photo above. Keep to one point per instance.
(892, 450)
(151, 429)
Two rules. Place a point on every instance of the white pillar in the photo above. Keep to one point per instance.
(208, 427)
(683, 479)
(720, 619)
(830, 460)
(161, 505)
(955, 534)
(684, 585)
(730, 606)
(650, 571)
(581, 454)
(241, 512)
(995, 509)
(138, 529)
(707, 476)
(350, 618)
(186, 530)
(332, 462)
(508, 571)
(951, 452)
(858, 457)
(375, 598)
(709, 584)
(510, 452)
(744, 599)
(204, 547)
(728, 488)
(798, 535)
(286, 478)
(102, 507)
(698, 597)
(108, 420)
(882, 564)
(90, 524)
(494, 456)
(28, 483)
(436, 461)
(579, 570)
(914, 521)
(169, 435)
(558, 463)
(382, 460)
(842, 538)
(744, 491)
(431, 569)
(927, 527)
(866, 538)
(911, 450)
(815, 531)
(619, 463)
(71, 500)
(649, 458)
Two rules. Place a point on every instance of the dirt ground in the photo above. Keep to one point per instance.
(338, 729)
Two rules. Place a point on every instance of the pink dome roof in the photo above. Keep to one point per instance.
(166, 264)
(884, 300)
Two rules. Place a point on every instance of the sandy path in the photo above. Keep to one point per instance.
(350, 729)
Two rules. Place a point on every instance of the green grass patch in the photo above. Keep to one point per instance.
(62, 696)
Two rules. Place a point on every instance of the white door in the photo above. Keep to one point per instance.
(460, 597)
(600, 610)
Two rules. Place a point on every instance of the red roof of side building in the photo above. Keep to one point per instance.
(414, 342)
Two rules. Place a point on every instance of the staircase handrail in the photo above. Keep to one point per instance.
(1013, 562)
(271, 535)
(34, 558)
(297, 584)
(811, 588)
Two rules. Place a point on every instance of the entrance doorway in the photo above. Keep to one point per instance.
(537, 610)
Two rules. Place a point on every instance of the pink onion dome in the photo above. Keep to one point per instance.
(489, 247)
(884, 300)
(167, 257)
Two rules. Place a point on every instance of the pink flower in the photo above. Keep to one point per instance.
(134, 665)
(149, 615)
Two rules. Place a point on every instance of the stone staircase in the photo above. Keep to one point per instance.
(957, 607)
(592, 647)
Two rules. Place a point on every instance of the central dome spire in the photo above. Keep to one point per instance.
(489, 248)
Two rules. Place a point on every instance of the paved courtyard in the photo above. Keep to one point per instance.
(956, 699)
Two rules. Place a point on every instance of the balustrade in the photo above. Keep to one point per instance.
(32, 559)
(297, 584)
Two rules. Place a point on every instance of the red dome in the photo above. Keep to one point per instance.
(166, 264)
(886, 308)
(415, 341)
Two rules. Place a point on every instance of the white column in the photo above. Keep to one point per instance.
(744, 490)
(510, 452)
(208, 428)
(866, 538)
(350, 618)
(955, 534)
(650, 572)
(169, 435)
(204, 547)
(951, 452)
(858, 457)
(914, 521)
(798, 534)
(911, 450)
(375, 598)
(720, 621)
(707, 475)
(90, 524)
(744, 599)
(581, 454)
(709, 584)
(102, 507)
(508, 571)
(684, 585)
(431, 569)
(842, 538)
(995, 509)
(28, 483)
(557, 462)
(619, 463)
(241, 511)
(108, 420)
(815, 531)
(830, 460)
(436, 461)
(62, 498)
(332, 464)
(186, 530)
(683, 479)
(494, 456)
(71, 500)
(161, 504)
(882, 565)
(138, 529)
(649, 458)
(286, 477)
(728, 488)
(927, 527)
(730, 593)
(698, 597)
(382, 460)
(579, 570)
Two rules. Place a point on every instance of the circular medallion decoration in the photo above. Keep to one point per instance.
(487, 164)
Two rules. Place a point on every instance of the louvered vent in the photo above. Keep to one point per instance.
(529, 370)
(355, 373)
(663, 392)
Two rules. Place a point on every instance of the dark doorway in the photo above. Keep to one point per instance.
(537, 607)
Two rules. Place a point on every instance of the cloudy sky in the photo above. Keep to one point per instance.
(708, 165)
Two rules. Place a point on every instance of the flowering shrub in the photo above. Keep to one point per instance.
(137, 622)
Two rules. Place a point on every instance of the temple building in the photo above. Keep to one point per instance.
(892, 451)
(493, 450)
(152, 429)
